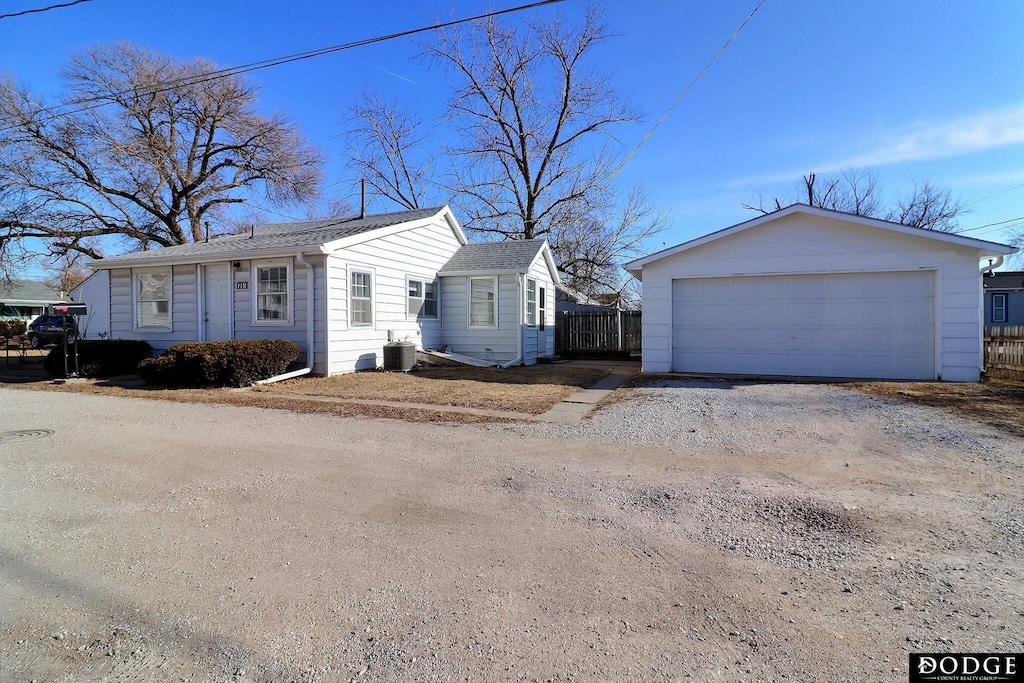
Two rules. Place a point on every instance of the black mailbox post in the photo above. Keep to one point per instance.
(65, 311)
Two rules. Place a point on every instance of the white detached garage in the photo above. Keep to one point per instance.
(810, 292)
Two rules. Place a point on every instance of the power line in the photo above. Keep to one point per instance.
(685, 92)
(1016, 187)
(55, 111)
(997, 223)
(42, 9)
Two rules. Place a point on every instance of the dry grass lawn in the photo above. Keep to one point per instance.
(995, 402)
(531, 389)
(526, 389)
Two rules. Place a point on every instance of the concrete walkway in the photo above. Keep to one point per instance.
(579, 405)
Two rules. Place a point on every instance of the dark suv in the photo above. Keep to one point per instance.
(49, 329)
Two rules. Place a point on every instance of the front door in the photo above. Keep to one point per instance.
(217, 302)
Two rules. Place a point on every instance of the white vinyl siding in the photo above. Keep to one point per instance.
(273, 295)
(803, 244)
(483, 304)
(152, 299)
(415, 254)
(95, 294)
(361, 298)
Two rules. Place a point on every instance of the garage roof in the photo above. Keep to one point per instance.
(985, 247)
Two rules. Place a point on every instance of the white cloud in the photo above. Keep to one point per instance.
(999, 128)
(920, 142)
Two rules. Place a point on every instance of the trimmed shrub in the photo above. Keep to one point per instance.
(221, 364)
(158, 371)
(100, 358)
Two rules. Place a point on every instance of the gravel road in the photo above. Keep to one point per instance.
(692, 531)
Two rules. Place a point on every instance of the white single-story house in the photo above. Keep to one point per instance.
(809, 292)
(340, 287)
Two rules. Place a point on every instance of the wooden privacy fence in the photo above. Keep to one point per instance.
(1004, 351)
(609, 332)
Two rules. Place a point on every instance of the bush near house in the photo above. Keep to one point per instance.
(219, 364)
(12, 328)
(100, 358)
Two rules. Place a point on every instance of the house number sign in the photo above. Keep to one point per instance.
(241, 285)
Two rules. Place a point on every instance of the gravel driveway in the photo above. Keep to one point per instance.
(704, 531)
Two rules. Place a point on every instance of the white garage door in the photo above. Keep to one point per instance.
(870, 325)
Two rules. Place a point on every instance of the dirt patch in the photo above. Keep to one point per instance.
(531, 389)
(995, 402)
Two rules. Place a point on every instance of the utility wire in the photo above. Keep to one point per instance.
(686, 92)
(989, 225)
(1016, 187)
(42, 9)
(56, 111)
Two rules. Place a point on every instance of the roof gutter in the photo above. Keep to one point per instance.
(310, 324)
(993, 264)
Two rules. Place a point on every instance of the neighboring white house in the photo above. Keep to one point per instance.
(810, 292)
(341, 287)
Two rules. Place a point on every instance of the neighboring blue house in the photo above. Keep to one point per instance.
(1004, 298)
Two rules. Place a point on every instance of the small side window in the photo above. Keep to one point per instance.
(999, 308)
(531, 302)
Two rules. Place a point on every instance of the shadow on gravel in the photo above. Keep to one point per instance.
(131, 635)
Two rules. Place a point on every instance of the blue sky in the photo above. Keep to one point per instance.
(913, 90)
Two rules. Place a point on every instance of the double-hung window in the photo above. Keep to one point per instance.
(483, 305)
(272, 293)
(999, 308)
(153, 299)
(361, 298)
(422, 299)
(531, 302)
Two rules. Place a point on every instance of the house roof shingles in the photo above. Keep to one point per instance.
(19, 292)
(1010, 279)
(275, 236)
(509, 256)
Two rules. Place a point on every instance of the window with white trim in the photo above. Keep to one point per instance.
(999, 308)
(361, 298)
(543, 309)
(531, 302)
(273, 290)
(153, 299)
(483, 305)
(422, 299)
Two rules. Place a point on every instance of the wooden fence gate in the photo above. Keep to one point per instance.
(598, 333)
(1004, 351)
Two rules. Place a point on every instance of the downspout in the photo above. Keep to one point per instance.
(992, 265)
(519, 322)
(310, 325)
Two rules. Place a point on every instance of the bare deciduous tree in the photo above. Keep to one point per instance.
(387, 147)
(149, 149)
(857, 192)
(532, 119)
